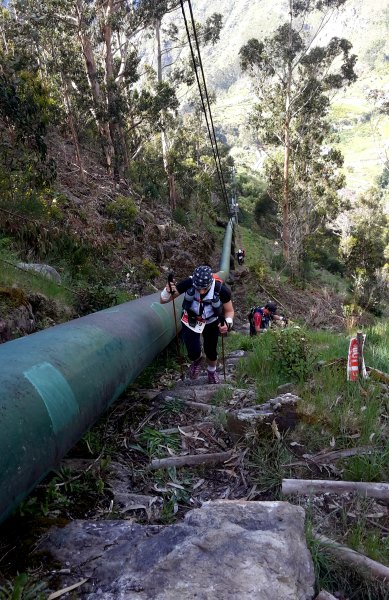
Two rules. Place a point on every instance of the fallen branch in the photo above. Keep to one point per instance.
(379, 375)
(308, 486)
(327, 457)
(199, 393)
(355, 559)
(204, 431)
(190, 460)
(202, 406)
(187, 428)
(66, 590)
(325, 596)
(271, 296)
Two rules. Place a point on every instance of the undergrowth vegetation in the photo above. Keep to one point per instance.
(101, 201)
(333, 414)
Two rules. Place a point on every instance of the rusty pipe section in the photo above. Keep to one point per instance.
(56, 383)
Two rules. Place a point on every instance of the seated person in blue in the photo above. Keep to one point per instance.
(207, 311)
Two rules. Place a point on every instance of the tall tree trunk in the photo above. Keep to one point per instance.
(65, 88)
(164, 139)
(5, 43)
(122, 44)
(124, 148)
(91, 70)
(286, 199)
(110, 85)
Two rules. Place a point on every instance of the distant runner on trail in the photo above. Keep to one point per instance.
(240, 256)
(261, 317)
(207, 304)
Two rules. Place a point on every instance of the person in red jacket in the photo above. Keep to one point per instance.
(261, 317)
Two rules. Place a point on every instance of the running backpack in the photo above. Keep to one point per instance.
(215, 302)
(250, 315)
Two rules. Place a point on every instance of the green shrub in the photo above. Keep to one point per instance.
(33, 238)
(264, 207)
(180, 216)
(5, 244)
(292, 351)
(94, 298)
(277, 262)
(148, 270)
(124, 210)
(260, 269)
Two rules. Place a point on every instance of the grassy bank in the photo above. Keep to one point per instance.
(333, 414)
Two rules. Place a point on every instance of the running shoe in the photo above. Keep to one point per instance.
(213, 377)
(195, 369)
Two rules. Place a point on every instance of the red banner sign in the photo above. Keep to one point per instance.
(354, 359)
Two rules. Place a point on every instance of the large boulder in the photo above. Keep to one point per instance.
(41, 269)
(17, 318)
(226, 549)
(23, 314)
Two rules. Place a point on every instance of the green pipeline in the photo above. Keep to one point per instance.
(55, 384)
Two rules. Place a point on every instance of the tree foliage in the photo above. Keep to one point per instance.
(363, 247)
(293, 79)
(89, 51)
(25, 112)
(87, 55)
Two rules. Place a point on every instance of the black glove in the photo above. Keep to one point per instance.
(285, 319)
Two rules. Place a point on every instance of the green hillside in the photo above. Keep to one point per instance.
(362, 136)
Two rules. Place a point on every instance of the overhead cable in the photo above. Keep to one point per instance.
(212, 138)
(206, 92)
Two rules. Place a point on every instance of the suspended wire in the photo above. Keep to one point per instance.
(213, 141)
(205, 86)
(206, 92)
(218, 166)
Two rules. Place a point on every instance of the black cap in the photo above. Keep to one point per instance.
(271, 307)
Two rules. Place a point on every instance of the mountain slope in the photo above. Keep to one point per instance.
(365, 23)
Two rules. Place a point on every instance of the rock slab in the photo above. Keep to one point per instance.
(225, 549)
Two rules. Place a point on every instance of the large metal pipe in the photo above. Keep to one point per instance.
(225, 259)
(55, 384)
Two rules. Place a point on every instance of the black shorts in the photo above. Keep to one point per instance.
(193, 342)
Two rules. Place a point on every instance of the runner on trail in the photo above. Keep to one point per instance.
(207, 310)
(261, 317)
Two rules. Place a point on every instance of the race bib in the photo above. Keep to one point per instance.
(199, 325)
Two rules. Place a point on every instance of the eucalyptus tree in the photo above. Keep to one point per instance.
(294, 79)
(193, 163)
(26, 170)
(101, 37)
(210, 149)
(26, 111)
(364, 249)
(109, 36)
